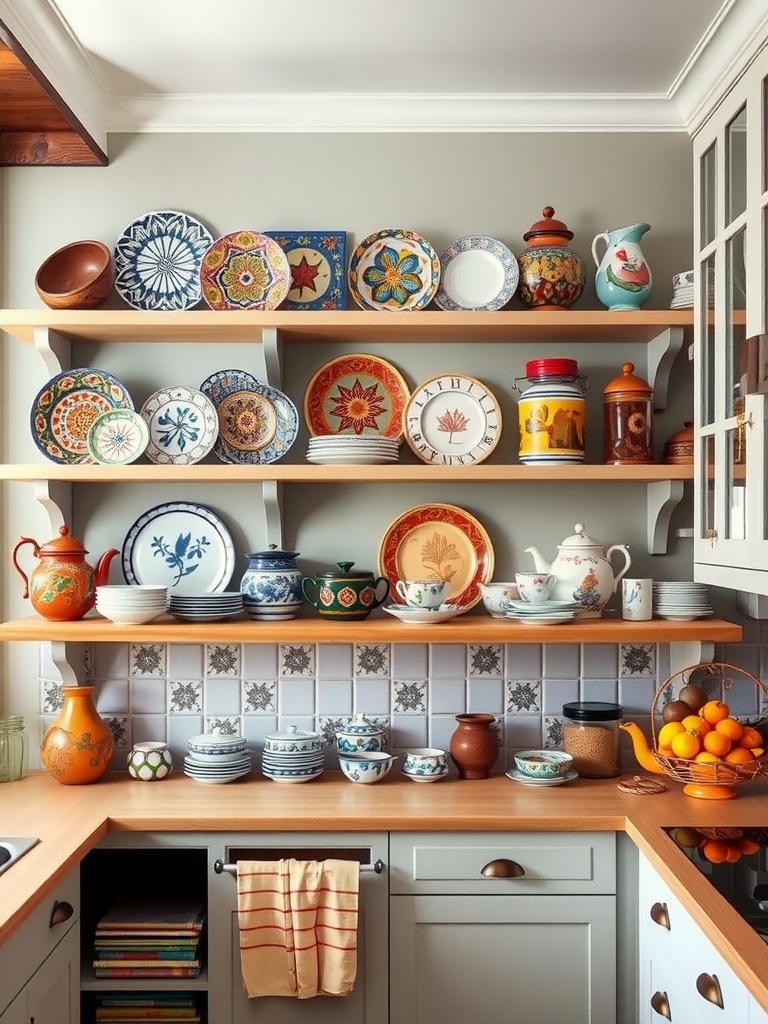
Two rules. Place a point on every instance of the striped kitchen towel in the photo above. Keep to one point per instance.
(298, 926)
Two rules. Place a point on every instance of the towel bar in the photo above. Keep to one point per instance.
(231, 869)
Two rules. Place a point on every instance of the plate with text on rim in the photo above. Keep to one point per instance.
(183, 425)
(245, 270)
(440, 542)
(182, 545)
(356, 394)
(394, 270)
(477, 273)
(452, 420)
(64, 409)
(257, 424)
(118, 437)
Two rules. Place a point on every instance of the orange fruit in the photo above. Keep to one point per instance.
(696, 725)
(715, 850)
(739, 755)
(732, 854)
(707, 757)
(747, 845)
(731, 728)
(714, 711)
(750, 738)
(717, 743)
(703, 769)
(685, 744)
(668, 731)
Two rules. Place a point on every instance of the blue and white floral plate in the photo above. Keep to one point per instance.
(158, 258)
(477, 272)
(182, 545)
(257, 424)
(395, 270)
(183, 425)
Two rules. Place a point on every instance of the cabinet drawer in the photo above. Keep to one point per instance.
(551, 862)
(716, 991)
(660, 913)
(46, 926)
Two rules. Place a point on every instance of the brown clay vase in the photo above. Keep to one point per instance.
(473, 746)
(78, 747)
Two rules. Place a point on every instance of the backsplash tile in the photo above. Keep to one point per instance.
(258, 697)
(637, 659)
(147, 659)
(222, 659)
(297, 660)
(372, 660)
(485, 660)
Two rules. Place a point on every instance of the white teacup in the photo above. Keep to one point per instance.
(535, 587)
(422, 593)
(496, 597)
(425, 761)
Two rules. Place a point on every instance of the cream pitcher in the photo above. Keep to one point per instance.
(623, 279)
(583, 572)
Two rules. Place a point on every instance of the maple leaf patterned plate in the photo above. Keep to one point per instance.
(356, 394)
(438, 542)
(452, 420)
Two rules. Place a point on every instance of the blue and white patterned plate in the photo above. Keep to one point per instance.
(118, 437)
(183, 425)
(477, 272)
(158, 258)
(182, 545)
(395, 270)
(257, 424)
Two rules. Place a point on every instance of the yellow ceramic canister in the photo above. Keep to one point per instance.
(552, 412)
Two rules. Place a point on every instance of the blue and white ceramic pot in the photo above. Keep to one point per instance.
(271, 585)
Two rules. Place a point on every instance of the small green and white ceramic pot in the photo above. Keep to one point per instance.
(150, 762)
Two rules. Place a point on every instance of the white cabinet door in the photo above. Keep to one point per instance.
(548, 959)
(53, 992)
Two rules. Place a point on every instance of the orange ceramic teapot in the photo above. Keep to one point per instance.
(62, 587)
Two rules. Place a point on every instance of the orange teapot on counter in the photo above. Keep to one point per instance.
(62, 587)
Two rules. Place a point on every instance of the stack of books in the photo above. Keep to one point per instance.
(168, 1007)
(152, 939)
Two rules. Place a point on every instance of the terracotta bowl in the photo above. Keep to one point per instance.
(78, 276)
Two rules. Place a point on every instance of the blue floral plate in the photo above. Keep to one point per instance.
(182, 545)
(183, 425)
(395, 270)
(257, 424)
(158, 258)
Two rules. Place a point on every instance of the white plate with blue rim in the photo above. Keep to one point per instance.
(182, 545)
(477, 273)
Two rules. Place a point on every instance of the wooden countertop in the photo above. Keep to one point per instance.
(70, 820)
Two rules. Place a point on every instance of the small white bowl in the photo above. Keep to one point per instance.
(372, 766)
(131, 616)
(496, 596)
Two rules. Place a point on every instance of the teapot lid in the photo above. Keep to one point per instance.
(63, 545)
(628, 381)
(345, 570)
(579, 539)
(360, 726)
(548, 226)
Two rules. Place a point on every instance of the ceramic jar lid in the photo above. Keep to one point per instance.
(360, 726)
(292, 735)
(628, 385)
(216, 741)
(678, 450)
(548, 231)
(345, 572)
(579, 539)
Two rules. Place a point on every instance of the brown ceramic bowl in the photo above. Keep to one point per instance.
(78, 276)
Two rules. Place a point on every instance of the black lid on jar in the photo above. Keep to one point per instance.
(592, 711)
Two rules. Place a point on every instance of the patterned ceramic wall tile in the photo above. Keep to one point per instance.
(229, 725)
(51, 696)
(120, 729)
(185, 697)
(259, 698)
(553, 731)
(637, 659)
(222, 660)
(372, 660)
(522, 696)
(147, 659)
(297, 660)
(409, 697)
(485, 660)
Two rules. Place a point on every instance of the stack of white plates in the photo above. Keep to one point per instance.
(132, 604)
(349, 449)
(681, 601)
(216, 758)
(548, 613)
(206, 607)
(682, 290)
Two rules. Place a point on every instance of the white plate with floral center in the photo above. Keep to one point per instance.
(452, 420)
(183, 425)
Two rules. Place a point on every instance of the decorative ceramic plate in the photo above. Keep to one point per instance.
(183, 425)
(545, 619)
(245, 270)
(182, 545)
(452, 420)
(356, 394)
(441, 542)
(527, 780)
(425, 616)
(528, 608)
(477, 272)
(318, 261)
(394, 269)
(63, 411)
(257, 423)
(158, 258)
(118, 437)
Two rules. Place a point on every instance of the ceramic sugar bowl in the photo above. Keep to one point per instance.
(344, 594)
(358, 735)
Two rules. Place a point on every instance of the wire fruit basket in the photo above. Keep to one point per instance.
(708, 780)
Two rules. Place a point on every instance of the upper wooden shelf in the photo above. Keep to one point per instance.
(356, 326)
(378, 628)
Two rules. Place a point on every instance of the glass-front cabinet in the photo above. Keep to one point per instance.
(731, 343)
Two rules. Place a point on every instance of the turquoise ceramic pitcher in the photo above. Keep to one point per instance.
(623, 279)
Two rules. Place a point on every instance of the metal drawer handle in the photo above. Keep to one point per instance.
(660, 1004)
(708, 988)
(60, 912)
(660, 915)
(502, 867)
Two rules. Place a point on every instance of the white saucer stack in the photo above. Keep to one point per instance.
(681, 601)
(682, 290)
(350, 450)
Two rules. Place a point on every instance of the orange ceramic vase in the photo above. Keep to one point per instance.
(78, 747)
(473, 746)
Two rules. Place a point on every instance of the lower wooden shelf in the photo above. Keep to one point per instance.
(377, 628)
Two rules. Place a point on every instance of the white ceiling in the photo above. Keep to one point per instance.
(399, 65)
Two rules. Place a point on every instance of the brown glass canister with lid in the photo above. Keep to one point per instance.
(591, 737)
(627, 420)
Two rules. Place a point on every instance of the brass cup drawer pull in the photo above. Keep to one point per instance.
(708, 988)
(660, 915)
(502, 867)
(660, 1004)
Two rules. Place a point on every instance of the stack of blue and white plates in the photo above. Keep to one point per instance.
(217, 757)
(293, 755)
(206, 607)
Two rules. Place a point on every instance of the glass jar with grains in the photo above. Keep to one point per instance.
(591, 737)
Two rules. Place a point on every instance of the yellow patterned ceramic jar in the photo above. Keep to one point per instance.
(552, 412)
